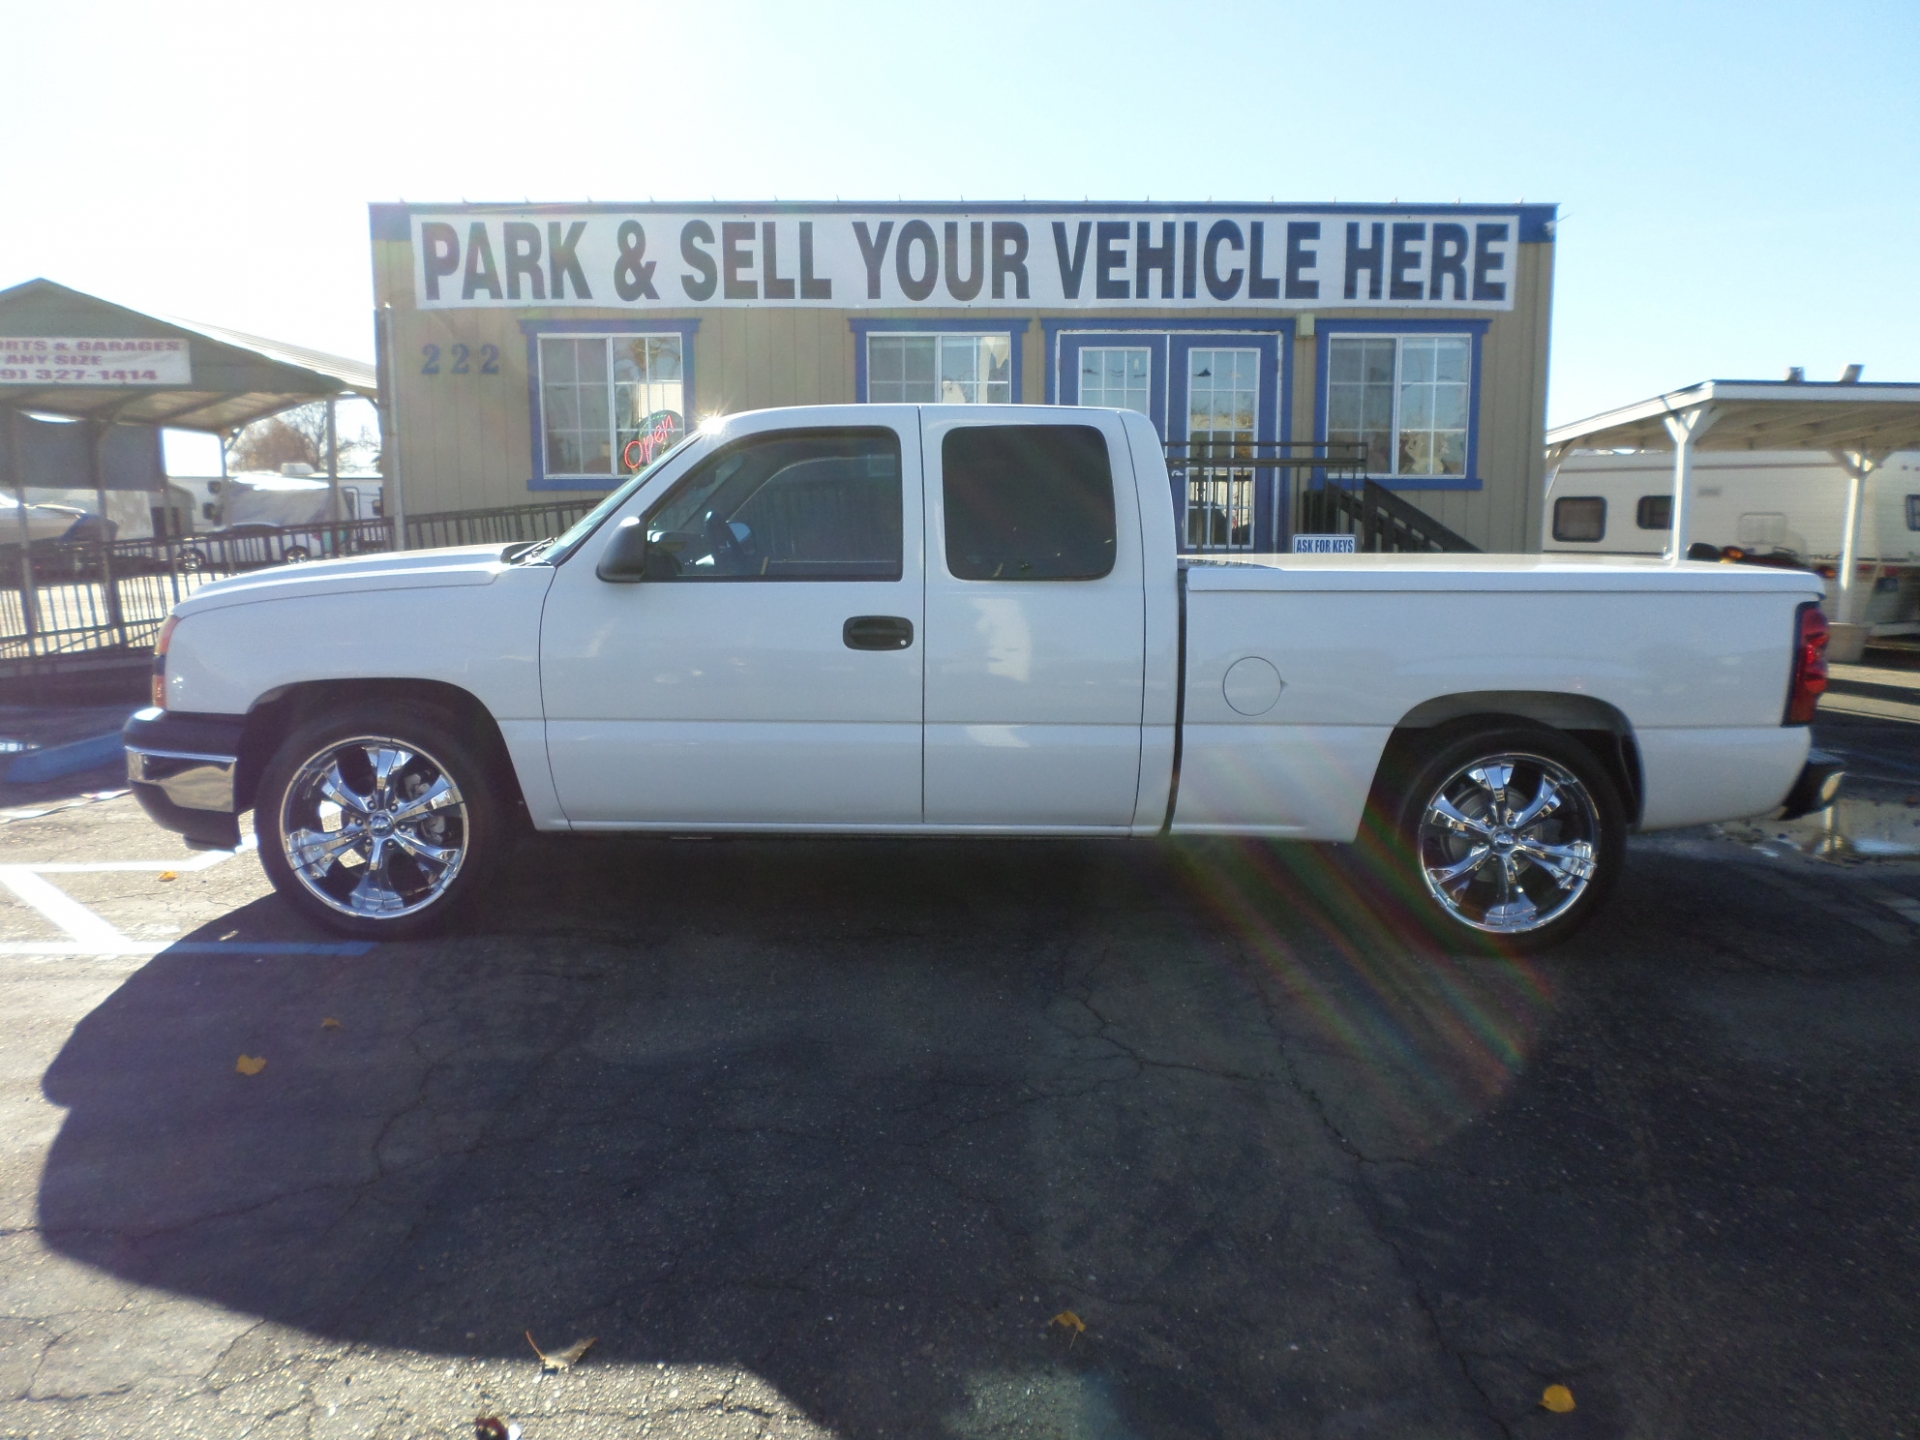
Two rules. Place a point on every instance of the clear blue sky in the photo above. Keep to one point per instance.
(1736, 181)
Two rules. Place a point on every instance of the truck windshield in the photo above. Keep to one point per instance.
(556, 551)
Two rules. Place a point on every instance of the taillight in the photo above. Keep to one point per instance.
(159, 693)
(1809, 665)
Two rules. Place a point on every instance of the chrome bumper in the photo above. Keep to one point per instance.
(183, 770)
(193, 782)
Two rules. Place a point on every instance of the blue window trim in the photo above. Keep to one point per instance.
(1327, 329)
(1174, 339)
(1014, 330)
(559, 325)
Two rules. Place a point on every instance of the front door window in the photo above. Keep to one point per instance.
(1222, 393)
(1116, 376)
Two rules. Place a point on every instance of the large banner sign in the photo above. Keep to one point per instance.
(1084, 259)
(75, 360)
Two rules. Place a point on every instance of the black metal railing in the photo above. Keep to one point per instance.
(505, 524)
(1378, 519)
(1217, 476)
(90, 596)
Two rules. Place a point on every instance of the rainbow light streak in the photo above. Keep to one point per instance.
(1437, 1036)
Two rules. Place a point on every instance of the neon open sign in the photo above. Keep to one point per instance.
(657, 434)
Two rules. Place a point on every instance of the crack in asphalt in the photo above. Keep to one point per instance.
(1361, 1165)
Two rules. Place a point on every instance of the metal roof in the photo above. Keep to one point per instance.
(237, 378)
(1761, 415)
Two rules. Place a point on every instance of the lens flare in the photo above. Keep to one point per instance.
(1436, 1032)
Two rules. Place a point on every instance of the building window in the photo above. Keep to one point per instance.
(1222, 399)
(1116, 376)
(940, 369)
(1913, 512)
(609, 403)
(1580, 518)
(1406, 398)
(1654, 512)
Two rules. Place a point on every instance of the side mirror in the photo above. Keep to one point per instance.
(624, 561)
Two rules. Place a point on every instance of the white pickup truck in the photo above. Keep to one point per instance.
(969, 620)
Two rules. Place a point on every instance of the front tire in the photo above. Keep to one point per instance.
(1511, 837)
(378, 822)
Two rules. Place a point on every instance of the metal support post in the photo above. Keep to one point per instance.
(1859, 465)
(29, 598)
(1556, 457)
(1686, 427)
(96, 472)
(333, 463)
(386, 372)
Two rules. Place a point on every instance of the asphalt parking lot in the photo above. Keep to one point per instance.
(875, 1139)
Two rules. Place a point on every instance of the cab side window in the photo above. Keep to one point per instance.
(790, 505)
(1027, 502)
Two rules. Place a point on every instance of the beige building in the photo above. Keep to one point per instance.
(545, 352)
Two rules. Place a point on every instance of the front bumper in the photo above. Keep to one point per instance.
(182, 770)
(1817, 786)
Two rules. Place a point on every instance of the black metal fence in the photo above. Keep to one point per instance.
(89, 597)
(1218, 479)
(504, 525)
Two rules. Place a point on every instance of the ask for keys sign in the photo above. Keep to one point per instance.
(1082, 259)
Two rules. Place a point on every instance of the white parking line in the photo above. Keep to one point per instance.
(90, 934)
(62, 909)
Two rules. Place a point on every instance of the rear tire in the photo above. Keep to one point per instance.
(379, 821)
(1510, 836)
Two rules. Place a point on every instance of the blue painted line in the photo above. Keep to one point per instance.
(59, 760)
(266, 947)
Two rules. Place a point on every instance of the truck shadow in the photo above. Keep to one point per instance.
(858, 1116)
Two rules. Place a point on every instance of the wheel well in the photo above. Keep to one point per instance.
(275, 715)
(1598, 726)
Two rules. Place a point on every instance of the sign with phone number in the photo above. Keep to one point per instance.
(99, 360)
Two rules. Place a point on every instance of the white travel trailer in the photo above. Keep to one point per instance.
(1784, 505)
(295, 497)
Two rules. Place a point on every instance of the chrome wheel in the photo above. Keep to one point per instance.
(374, 827)
(1508, 843)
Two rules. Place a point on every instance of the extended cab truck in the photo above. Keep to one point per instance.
(968, 620)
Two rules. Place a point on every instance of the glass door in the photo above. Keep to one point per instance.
(1224, 404)
(1216, 390)
(1222, 386)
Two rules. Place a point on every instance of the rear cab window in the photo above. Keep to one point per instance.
(1028, 502)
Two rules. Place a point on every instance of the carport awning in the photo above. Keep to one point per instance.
(1858, 425)
(235, 378)
(1825, 416)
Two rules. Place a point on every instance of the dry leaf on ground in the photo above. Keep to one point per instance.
(251, 1064)
(329, 1023)
(169, 875)
(561, 1359)
(1067, 1320)
(1557, 1398)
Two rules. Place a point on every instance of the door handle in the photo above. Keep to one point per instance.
(877, 632)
